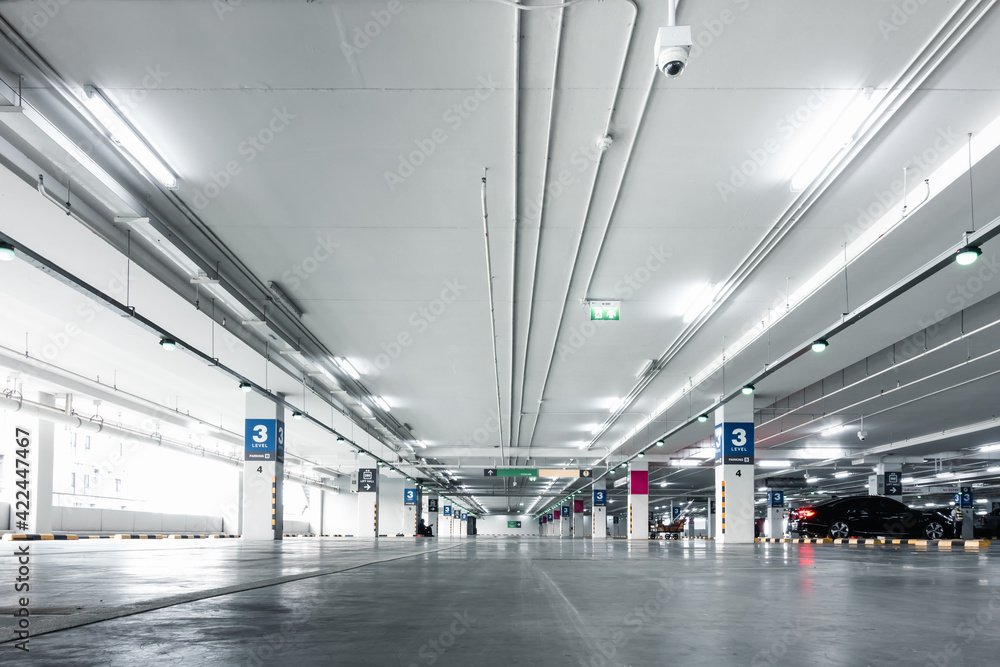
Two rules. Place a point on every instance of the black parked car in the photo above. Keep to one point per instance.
(867, 516)
(989, 525)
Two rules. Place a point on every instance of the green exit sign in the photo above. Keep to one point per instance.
(605, 310)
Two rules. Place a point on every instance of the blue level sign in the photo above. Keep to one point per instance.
(600, 497)
(447, 510)
(409, 496)
(264, 440)
(550, 517)
(775, 498)
(465, 516)
(675, 512)
(734, 443)
(565, 511)
(966, 496)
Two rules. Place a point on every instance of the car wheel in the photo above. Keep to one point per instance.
(934, 530)
(839, 529)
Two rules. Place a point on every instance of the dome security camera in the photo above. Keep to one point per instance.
(673, 47)
(671, 61)
(862, 435)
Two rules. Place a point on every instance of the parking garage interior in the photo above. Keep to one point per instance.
(406, 332)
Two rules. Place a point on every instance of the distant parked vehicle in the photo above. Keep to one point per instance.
(867, 516)
(989, 525)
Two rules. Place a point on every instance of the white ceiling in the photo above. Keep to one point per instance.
(321, 183)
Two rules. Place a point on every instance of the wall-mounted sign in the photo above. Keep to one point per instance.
(605, 310)
(600, 497)
(264, 440)
(734, 443)
(432, 504)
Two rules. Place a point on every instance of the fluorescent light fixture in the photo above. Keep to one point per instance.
(748, 390)
(6, 251)
(762, 488)
(983, 144)
(993, 469)
(981, 501)
(930, 504)
(646, 365)
(990, 448)
(662, 484)
(814, 480)
(704, 453)
(133, 146)
(945, 475)
(968, 254)
(704, 298)
(616, 404)
(833, 430)
(909, 480)
(347, 367)
(842, 474)
(283, 299)
(840, 135)
(774, 463)
(686, 463)
(820, 345)
(379, 401)
(168, 344)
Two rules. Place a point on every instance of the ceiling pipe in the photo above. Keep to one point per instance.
(493, 317)
(538, 237)
(590, 202)
(936, 49)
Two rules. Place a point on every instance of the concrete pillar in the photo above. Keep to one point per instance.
(263, 469)
(599, 511)
(734, 471)
(710, 514)
(967, 503)
(431, 514)
(774, 522)
(391, 505)
(446, 517)
(28, 446)
(638, 500)
(566, 519)
(887, 481)
(368, 497)
(578, 531)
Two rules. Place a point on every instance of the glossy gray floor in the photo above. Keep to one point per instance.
(482, 601)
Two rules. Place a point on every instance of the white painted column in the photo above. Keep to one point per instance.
(446, 517)
(710, 524)
(263, 469)
(27, 446)
(734, 471)
(368, 495)
(599, 510)
(638, 500)
(431, 514)
(774, 523)
(566, 519)
(411, 508)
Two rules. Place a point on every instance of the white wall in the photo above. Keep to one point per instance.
(497, 525)
(390, 505)
(340, 512)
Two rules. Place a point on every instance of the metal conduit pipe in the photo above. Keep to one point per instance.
(78, 423)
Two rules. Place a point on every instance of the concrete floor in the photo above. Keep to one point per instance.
(482, 601)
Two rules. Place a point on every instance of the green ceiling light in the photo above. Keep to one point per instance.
(702, 418)
(612, 472)
(659, 443)
(642, 455)
(532, 479)
(820, 344)
(6, 251)
(246, 387)
(748, 390)
(297, 415)
(340, 438)
(168, 344)
(968, 254)
(378, 463)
